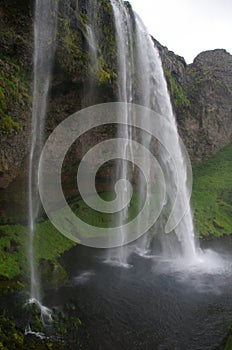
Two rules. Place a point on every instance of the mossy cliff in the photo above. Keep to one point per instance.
(74, 79)
(73, 54)
(15, 77)
(202, 99)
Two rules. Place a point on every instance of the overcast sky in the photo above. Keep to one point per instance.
(188, 27)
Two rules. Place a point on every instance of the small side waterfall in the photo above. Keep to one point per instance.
(141, 80)
(92, 46)
(92, 35)
(44, 46)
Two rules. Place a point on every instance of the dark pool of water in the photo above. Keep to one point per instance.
(152, 305)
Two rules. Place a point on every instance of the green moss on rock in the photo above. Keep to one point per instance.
(73, 56)
(53, 275)
(14, 95)
(178, 95)
(11, 338)
(56, 336)
(49, 245)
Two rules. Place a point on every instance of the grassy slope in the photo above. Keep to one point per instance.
(49, 243)
(212, 194)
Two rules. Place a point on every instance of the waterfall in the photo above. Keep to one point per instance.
(125, 60)
(141, 80)
(44, 45)
(155, 95)
(92, 46)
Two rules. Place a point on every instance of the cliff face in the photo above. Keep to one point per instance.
(15, 76)
(208, 120)
(202, 99)
(201, 93)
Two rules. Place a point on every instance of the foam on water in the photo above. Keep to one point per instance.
(84, 277)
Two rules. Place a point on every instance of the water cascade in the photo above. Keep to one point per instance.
(156, 96)
(125, 54)
(92, 37)
(44, 46)
(92, 34)
(141, 80)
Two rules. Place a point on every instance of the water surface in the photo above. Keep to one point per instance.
(154, 304)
